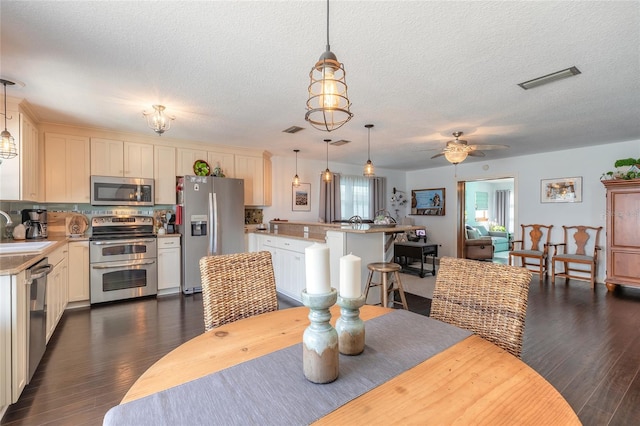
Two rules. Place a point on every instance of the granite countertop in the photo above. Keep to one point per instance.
(12, 264)
(316, 238)
(366, 228)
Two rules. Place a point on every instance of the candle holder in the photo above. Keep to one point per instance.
(349, 326)
(320, 339)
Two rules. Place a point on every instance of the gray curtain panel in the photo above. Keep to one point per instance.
(377, 189)
(330, 199)
(502, 198)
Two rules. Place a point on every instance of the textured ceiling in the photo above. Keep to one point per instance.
(236, 72)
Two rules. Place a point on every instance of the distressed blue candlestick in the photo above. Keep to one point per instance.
(320, 339)
(349, 326)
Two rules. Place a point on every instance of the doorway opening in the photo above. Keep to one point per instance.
(487, 206)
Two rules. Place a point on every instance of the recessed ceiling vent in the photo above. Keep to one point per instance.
(293, 129)
(340, 142)
(559, 75)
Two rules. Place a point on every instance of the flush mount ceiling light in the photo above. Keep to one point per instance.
(8, 147)
(559, 75)
(327, 175)
(157, 120)
(368, 167)
(328, 104)
(296, 179)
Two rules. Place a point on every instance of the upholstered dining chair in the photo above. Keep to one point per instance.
(489, 299)
(236, 286)
(533, 248)
(578, 253)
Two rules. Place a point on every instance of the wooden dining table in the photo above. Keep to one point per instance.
(471, 382)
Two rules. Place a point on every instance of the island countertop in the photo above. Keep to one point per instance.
(367, 228)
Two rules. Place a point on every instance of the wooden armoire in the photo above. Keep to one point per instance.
(623, 233)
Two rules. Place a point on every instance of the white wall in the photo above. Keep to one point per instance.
(528, 170)
(284, 168)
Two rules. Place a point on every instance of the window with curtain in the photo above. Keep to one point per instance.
(355, 197)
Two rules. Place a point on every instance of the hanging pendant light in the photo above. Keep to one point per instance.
(328, 104)
(296, 179)
(8, 147)
(158, 120)
(368, 167)
(327, 176)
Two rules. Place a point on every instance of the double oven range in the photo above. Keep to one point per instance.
(122, 258)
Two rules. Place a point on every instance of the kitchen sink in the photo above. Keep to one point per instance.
(24, 247)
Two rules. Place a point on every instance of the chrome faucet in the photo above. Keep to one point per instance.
(6, 216)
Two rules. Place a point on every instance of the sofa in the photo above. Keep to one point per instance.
(499, 240)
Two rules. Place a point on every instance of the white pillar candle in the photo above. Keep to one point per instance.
(350, 276)
(317, 269)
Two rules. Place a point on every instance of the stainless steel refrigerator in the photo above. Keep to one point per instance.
(211, 216)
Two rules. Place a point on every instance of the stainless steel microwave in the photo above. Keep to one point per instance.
(121, 191)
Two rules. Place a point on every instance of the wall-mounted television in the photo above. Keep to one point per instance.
(428, 202)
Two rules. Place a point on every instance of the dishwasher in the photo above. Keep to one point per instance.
(37, 278)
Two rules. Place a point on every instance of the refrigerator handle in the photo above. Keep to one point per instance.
(213, 223)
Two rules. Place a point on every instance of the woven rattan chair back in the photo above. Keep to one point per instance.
(236, 286)
(488, 299)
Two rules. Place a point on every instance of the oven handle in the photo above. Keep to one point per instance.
(120, 242)
(123, 264)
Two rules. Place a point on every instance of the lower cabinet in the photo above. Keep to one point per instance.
(78, 274)
(57, 294)
(169, 275)
(14, 337)
(288, 263)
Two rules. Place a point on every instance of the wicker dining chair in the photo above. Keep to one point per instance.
(236, 286)
(488, 299)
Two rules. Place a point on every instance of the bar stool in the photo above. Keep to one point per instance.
(387, 286)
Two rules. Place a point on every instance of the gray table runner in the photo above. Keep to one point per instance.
(272, 389)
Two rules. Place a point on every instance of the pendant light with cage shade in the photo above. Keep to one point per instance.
(296, 179)
(158, 120)
(369, 170)
(8, 149)
(328, 106)
(327, 176)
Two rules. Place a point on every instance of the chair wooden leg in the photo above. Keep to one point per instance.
(553, 271)
(384, 293)
(366, 290)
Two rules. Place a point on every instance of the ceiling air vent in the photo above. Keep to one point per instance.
(293, 129)
(559, 75)
(340, 142)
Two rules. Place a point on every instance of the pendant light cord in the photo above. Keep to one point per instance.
(5, 105)
(369, 145)
(328, 47)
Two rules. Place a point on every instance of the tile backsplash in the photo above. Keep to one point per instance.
(253, 216)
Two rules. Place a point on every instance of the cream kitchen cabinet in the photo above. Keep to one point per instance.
(223, 160)
(185, 158)
(256, 172)
(121, 158)
(14, 337)
(67, 172)
(169, 265)
(78, 277)
(57, 288)
(20, 176)
(164, 174)
(288, 258)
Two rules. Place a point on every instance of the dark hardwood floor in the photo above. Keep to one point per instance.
(586, 344)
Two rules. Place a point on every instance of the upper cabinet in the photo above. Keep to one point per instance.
(185, 159)
(20, 176)
(164, 174)
(256, 172)
(121, 158)
(67, 173)
(225, 161)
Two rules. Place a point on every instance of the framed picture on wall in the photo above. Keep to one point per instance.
(428, 202)
(561, 190)
(301, 197)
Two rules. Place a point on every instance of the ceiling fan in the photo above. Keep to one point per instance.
(457, 150)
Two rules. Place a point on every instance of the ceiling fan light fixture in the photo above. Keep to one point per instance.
(455, 156)
(158, 120)
(8, 148)
(545, 79)
(328, 105)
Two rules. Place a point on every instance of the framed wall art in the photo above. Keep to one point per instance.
(428, 202)
(561, 190)
(301, 197)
